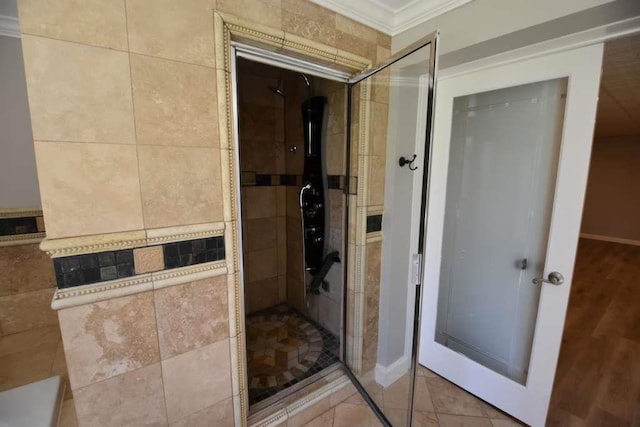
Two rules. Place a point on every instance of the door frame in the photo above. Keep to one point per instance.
(293, 52)
(431, 40)
(580, 66)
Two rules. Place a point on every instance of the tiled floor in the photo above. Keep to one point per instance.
(32, 356)
(598, 376)
(284, 348)
(438, 403)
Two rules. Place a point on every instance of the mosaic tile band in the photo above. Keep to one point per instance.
(374, 223)
(334, 182)
(21, 225)
(78, 270)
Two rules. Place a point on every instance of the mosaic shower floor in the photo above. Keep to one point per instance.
(284, 348)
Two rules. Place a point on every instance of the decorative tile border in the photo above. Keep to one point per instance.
(85, 269)
(56, 248)
(21, 226)
(252, 179)
(374, 223)
(192, 252)
(89, 294)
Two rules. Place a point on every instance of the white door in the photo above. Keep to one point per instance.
(508, 175)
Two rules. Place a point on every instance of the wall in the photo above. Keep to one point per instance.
(262, 162)
(123, 106)
(485, 19)
(19, 187)
(612, 202)
(29, 331)
(296, 93)
(487, 27)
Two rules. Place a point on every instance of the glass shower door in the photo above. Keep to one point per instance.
(389, 117)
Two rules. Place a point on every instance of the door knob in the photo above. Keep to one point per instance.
(554, 278)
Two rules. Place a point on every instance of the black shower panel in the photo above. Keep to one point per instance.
(313, 194)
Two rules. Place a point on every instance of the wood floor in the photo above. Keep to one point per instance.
(598, 377)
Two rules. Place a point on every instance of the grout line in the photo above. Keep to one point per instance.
(127, 51)
(153, 293)
(135, 132)
(208, 147)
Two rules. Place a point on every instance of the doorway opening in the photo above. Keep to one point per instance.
(598, 375)
(292, 151)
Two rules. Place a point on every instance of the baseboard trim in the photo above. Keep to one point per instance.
(387, 375)
(610, 239)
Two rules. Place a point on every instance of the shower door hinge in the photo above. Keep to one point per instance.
(417, 269)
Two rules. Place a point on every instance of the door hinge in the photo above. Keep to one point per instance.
(417, 269)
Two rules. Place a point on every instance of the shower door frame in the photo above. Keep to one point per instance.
(283, 50)
(432, 41)
(256, 54)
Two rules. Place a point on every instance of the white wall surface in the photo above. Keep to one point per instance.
(9, 8)
(481, 20)
(18, 178)
(612, 203)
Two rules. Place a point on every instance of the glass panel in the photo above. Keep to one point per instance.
(388, 118)
(502, 169)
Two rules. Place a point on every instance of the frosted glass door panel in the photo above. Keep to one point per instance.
(502, 167)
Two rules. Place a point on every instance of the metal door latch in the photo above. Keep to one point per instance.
(554, 278)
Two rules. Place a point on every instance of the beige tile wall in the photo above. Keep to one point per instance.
(152, 358)
(30, 345)
(297, 93)
(27, 283)
(262, 151)
(123, 106)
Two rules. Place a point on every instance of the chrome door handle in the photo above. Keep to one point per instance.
(554, 278)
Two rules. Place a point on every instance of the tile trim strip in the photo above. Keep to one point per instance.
(21, 239)
(79, 270)
(128, 239)
(20, 226)
(20, 212)
(88, 294)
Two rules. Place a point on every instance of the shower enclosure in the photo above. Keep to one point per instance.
(325, 287)
(293, 213)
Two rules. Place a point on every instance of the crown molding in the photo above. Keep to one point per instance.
(419, 11)
(374, 15)
(9, 26)
(378, 15)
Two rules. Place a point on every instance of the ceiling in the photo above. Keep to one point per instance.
(391, 16)
(619, 101)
